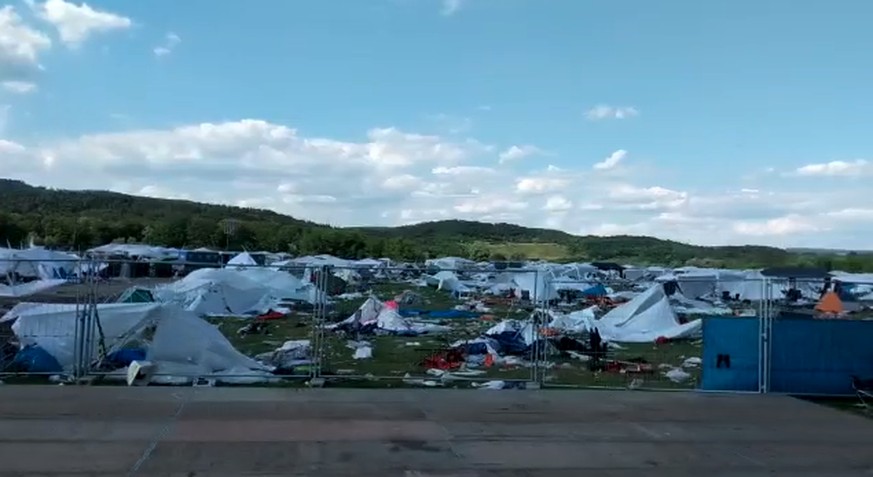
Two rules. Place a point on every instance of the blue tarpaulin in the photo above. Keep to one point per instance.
(596, 291)
(439, 314)
(33, 359)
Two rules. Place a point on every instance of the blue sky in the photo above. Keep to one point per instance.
(706, 122)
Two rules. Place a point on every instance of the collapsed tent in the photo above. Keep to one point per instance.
(375, 315)
(33, 270)
(171, 337)
(221, 292)
(645, 319)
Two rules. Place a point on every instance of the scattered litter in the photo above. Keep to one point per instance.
(363, 349)
(692, 362)
(364, 352)
(677, 375)
(490, 385)
(579, 356)
(413, 343)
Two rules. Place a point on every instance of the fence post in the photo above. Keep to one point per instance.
(764, 328)
(318, 319)
(538, 376)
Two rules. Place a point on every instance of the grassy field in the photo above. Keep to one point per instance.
(396, 357)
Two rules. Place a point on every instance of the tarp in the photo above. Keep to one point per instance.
(830, 303)
(180, 338)
(645, 319)
(234, 292)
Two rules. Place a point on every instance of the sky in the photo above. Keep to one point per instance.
(732, 122)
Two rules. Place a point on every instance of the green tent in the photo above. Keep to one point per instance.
(137, 295)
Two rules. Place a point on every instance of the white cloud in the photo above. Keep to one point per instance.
(76, 23)
(514, 153)
(450, 7)
(462, 171)
(646, 198)
(489, 205)
(558, 203)
(854, 214)
(402, 182)
(20, 46)
(19, 87)
(540, 185)
(790, 224)
(612, 161)
(9, 147)
(171, 41)
(605, 111)
(854, 168)
(393, 176)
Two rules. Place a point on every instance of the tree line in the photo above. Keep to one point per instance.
(80, 220)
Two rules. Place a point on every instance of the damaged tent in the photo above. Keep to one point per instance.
(645, 319)
(33, 270)
(174, 340)
(375, 315)
(229, 292)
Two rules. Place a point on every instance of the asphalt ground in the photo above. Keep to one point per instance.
(162, 431)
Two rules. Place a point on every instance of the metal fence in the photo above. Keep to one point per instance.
(383, 327)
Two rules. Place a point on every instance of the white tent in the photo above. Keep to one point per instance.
(645, 319)
(236, 292)
(366, 314)
(180, 337)
(33, 270)
(694, 282)
(243, 260)
(748, 285)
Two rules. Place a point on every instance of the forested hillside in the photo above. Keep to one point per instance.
(78, 220)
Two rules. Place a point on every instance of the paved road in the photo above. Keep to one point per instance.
(198, 432)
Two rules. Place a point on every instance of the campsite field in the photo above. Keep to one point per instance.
(398, 360)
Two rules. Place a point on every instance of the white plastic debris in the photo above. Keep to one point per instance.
(491, 385)
(579, 356)
(692, 362)
(364, 352)
(677, 375)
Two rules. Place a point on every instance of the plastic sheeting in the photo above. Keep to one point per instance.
(29, 288)
(235, 292)
(52, 327)
(386, 318)
(180, 339)
(644, 319)
(184, 339)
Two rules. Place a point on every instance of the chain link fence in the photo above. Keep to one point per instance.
(292, 324)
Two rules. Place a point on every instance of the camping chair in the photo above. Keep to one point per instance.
(864, 390)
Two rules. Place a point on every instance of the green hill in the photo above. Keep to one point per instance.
(79, 220)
